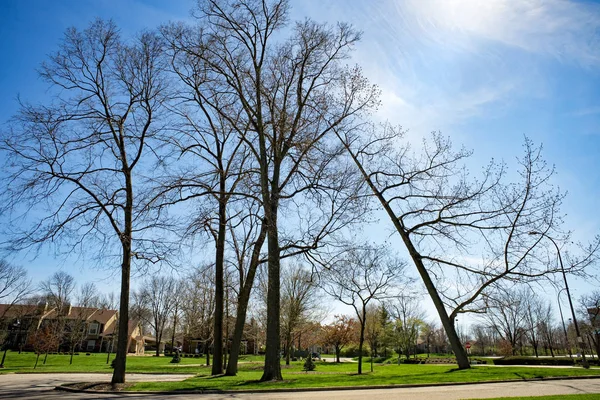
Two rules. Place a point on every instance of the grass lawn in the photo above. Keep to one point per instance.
(331, 375)
(250, 370)
(592, 396)
(96, 362)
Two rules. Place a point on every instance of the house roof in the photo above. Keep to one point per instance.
(101, 315)
(20, 310)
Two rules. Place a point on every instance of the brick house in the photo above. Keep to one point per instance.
(88, 329)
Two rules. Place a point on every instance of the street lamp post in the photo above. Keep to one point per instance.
(563, 322)
(584, 362)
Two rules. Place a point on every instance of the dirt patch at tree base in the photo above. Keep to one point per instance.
(100, 386)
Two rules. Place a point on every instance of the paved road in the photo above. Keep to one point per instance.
(40, 386)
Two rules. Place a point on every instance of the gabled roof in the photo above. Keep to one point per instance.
(101, 315)
(22, 310)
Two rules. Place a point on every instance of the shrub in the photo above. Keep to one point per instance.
(352, 351)
(533, 361)
(377, 360)
(309, 364)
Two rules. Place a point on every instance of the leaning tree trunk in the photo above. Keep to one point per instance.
(459, 351)
(242, 307)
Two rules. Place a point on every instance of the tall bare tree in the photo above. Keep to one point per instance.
(58, 290)
(299, 303)
(409, 317)
(506, 314)
(358, 277)
(590, 305)
(87, 302)
(284, 99)
(158, 296)
(15, 286)
(76, 161)
(463, 235)
(197, 307)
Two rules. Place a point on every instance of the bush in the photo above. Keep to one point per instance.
(516, 360)
(352, 351)
(377, 360)
(309, 364)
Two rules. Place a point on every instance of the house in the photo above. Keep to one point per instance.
(86, 329)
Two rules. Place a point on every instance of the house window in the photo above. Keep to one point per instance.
(90, 345)
(94, 328)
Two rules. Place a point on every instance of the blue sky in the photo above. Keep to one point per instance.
(484, 73)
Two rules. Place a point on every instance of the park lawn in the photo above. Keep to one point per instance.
(344, 374)
(96, 362)
(587, 396)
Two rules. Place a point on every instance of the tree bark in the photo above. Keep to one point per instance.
(122, 339)
(272, 368)
(361, 340)
(459, 351)
(242, 307)
(288, 346)
(217, 367)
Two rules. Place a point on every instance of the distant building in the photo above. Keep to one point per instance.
(93, 329)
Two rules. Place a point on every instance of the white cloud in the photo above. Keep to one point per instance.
(563, 29)
(443, 62)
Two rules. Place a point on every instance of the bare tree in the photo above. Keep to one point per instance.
(299, 303)
(590, 305)
(547, 331)
(15, 286)
(57, 290)
(197, 308)
(483, 337)
(362, 275)
(247, 235)
(442, 215)
(534, 317)
(78, 320)
(374, 330)
(14, 283)
(285, 98)
(76, 159)
(506, 314)
(408, 317)
(158, 296)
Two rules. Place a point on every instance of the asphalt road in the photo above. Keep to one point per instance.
(41, 386)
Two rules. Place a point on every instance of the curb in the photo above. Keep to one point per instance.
(66, 388)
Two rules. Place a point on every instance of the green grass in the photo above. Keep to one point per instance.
(590, 396)
(326, 374)
(332, 375)
(96, 362)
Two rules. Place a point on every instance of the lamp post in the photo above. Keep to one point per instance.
(584, 362)
(563, 322)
